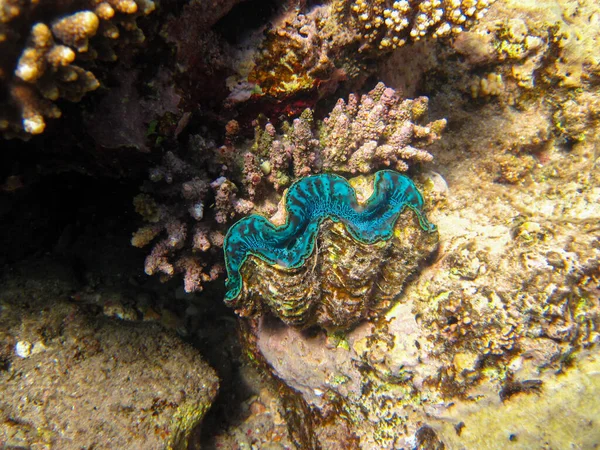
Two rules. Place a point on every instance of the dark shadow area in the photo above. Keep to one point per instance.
(244, 18)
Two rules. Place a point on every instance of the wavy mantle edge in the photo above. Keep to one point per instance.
(244, 238)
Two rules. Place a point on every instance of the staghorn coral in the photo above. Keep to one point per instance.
(44, 50)
(268, 266)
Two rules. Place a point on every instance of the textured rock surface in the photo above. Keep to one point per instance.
(511, 300)
(506, 320)
(71, 380)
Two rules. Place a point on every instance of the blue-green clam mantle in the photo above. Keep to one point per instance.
(309, 202)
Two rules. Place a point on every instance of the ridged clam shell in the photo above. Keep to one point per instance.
(344, 280)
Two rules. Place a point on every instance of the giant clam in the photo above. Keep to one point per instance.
(335, 260)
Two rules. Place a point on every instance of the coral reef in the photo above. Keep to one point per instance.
(201, 59)
(123, 117)
(298, 55)
(45, 49)
(337, 288)
(519, 51)
(509, 310)
(194, 194)
(307, 53)
(511, 300)
(474, 341)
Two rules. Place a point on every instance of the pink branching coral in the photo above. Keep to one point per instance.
(186, 211)
(375, 131)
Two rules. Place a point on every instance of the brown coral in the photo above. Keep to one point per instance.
(388, 24)
(44, 63)
(308, 52)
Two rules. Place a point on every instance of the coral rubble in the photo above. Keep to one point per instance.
(361, 245)
(44, 50)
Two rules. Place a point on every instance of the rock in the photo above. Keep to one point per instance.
(96, 382)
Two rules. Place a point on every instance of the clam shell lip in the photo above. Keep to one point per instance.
(308, 203)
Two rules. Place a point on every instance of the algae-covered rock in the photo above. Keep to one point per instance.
(562, 414)
(73, 380)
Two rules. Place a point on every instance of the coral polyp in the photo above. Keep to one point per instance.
(355, 249)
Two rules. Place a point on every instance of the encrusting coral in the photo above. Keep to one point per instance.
(42, 49)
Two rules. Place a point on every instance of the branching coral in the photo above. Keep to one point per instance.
(43, 49)
(194, 194)
(200, 54)
(176, 204)
(388, 24)
(377, 130)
